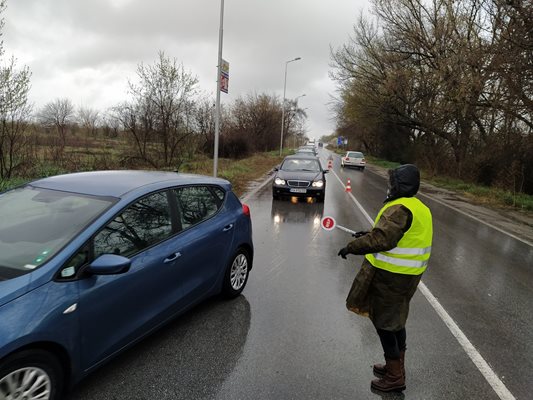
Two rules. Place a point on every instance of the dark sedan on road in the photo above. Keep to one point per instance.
(92, 262)
(300, 176)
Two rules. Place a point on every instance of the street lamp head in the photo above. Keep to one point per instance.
(283, 103)
(294, 59)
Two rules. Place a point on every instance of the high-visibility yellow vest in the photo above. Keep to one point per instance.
(411, 254)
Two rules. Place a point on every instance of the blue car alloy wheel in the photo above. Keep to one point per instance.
(31, 375)
(237, 274)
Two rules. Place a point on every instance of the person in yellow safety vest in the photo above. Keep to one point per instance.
(396, 250)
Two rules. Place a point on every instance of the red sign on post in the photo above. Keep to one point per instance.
(224, 83)
(224, 76)
(328, 223)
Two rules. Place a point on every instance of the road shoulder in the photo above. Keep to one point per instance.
(509, 221)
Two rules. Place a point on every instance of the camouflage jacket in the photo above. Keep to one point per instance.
(381, 295)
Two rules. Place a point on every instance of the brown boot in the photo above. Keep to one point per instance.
(380, 369)
(393, 379)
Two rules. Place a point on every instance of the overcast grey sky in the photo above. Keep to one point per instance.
(87, 50)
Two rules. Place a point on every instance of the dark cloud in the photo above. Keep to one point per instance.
(87, 50)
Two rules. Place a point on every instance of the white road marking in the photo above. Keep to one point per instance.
(493, 380)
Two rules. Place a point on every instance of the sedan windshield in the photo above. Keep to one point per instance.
(36, 223)
(300, 165)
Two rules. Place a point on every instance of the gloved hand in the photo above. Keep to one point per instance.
(359, 234)
(343, 252)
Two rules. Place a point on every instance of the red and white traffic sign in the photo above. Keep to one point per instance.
(328, 223)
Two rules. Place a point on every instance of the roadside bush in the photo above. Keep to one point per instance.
(234, 147)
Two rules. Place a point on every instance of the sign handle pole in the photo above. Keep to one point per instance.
(329, 223)
(342, 228)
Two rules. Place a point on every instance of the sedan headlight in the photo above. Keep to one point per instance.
(318, 184)
(279, 181)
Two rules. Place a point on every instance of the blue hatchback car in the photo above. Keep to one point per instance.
(92, 262)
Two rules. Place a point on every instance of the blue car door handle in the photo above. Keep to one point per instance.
(172, 257)
(227, 228)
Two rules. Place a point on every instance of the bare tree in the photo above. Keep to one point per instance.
(58, 115)
(160, 118)
(88, 119)
(512, 31)
(445, 83)
(294, 126)
(110, 124)
(256, 119)
(14, 113)
(204, 121)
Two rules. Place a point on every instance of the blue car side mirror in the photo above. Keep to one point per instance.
(109, 264)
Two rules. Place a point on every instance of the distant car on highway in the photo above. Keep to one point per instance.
(354, 159)
(300, 175)
(92, 262)
(306, 150)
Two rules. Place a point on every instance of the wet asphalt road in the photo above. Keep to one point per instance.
(289, 335)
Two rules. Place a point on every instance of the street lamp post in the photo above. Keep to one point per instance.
(283, 104)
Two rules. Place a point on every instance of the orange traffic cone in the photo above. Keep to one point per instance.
(330, 164)
(348, 186)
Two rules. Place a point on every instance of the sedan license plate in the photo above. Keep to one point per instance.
(298, 190)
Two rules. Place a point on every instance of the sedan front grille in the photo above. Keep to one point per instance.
(298, 183)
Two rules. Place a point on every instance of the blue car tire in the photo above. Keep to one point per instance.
(236, 274)
(35, 373)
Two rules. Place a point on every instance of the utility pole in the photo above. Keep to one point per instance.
(217, 108)
(283, 104)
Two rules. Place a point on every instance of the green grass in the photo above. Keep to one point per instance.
(477, 193)
(239, 172)
(485, 194)
(382, 163)
(11, 183)
(233, 171)
(41, 171)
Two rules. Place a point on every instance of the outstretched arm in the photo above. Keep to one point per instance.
(392, 225)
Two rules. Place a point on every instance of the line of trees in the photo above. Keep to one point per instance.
(443, 83)
(165, 121)
(14, 111)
